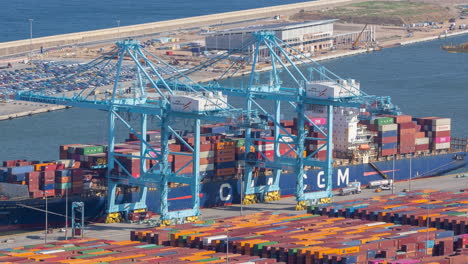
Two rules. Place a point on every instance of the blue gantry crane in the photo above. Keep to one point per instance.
(130, 61)
(282, 83)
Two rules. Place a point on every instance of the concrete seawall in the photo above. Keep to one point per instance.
(40, 110)
(21, 46)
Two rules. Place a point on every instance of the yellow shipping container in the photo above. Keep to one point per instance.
(37, 167)
(350, 250)
(319, 254)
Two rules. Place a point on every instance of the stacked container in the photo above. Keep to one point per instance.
(225, 158)
(387, 138)
(265, 148)
(33, 180)
(48, 182)
(207, 159)
(406, 134)
(438, 130)
(63, 182)
(77, 181)
(315, 144)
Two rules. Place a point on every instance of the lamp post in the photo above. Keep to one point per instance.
(427, 225)
(227, 245)
(30, 38)
(410, 174)
(393, 174)
(118, 28)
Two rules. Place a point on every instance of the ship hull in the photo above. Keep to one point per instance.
(227, 192)
(223, 193)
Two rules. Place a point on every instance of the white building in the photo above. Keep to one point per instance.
(307, 37)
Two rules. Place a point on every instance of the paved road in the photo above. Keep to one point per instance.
(122, 231)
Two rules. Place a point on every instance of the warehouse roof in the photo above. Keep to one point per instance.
(275, 27)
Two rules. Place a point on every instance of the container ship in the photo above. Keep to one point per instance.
(366, 149)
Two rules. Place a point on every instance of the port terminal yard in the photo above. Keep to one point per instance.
(120, 231)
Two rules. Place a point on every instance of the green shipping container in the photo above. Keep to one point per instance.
(90, 150)
(383, 121)
(240, 142)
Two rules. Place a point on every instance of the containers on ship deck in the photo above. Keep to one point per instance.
(438, 130)
(387, 139)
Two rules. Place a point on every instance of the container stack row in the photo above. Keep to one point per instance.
(45, 179)
(312, 239)
(107, 251)
(438, 130)
(443, 210)
(404, 134)
(387, 135)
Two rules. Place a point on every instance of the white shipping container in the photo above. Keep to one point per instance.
(389, 127)
(330, 90)
(67, 162)
(442, 145)
(196, 103)
(206, 154)
(439, 128)
(315, 147)
(266, 147)
(207, 167)
(441, 122)
(207, 240)
(422, 141)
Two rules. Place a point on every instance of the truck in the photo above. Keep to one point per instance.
(379, 183)
(351, 188)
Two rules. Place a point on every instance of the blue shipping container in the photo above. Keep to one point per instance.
(392, 145)
(17, 177)
(20, 169)
(391, 133)
(49, 186)
(63, 173)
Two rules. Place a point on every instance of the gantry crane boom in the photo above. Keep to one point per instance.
(145, 72)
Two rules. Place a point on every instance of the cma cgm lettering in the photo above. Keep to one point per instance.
(227, 192)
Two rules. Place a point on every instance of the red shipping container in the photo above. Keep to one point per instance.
(407, 125)
(420, 134)
(33, 187)
(205, 161)
(422, 147)
(49, 168)
(435, 134)
(77, 171)
(287, 123)
(33, 176)
(49, 193)
(37, 194)
(388, 152)
(398, 119)
(406, 131)
(386, 140)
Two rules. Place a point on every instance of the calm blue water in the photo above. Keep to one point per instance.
(422, 79)
(52, 17)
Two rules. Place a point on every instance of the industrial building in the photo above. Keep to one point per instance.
(306, 37)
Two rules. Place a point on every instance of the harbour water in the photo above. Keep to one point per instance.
(52, 17)
(421, 78)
